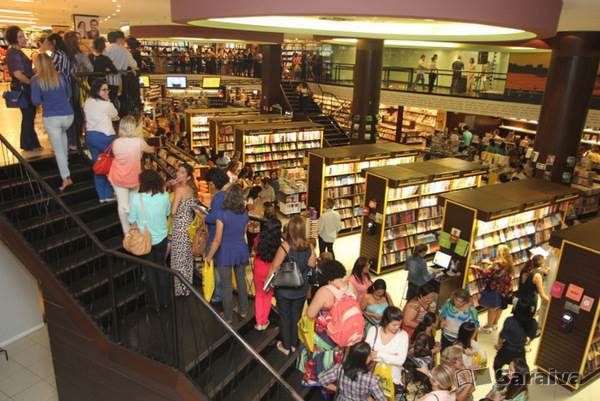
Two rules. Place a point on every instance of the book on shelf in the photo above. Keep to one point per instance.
(592, 363)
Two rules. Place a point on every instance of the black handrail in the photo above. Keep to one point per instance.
(145, 264)
(288, 105)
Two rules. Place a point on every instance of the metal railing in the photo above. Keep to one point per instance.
(135, 302)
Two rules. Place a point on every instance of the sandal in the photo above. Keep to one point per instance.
(310, 383)
(282, 349)
(67, 182)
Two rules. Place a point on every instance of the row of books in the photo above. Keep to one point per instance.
(515, 246)
(347, 202)
(200, 120)
(273, 156)
(357, 167)
(276, 165)
(394, 258)
(350, 223)
(283, 137)
(412, 229)
(350, 212)
(200, 137)
(485, 227)
(281, 147)
(408, 242)
(518, 231)
(344, 191)
(200, 128)
(343, 180)
(226, 139)
(412, 216)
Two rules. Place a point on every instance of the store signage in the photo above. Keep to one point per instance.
(586, 303)
(574, 292)
(557, 289)
(572, 307)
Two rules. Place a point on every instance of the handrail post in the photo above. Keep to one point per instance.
(174, 329)
(113, 299)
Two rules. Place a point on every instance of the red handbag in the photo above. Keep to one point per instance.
(104, 161)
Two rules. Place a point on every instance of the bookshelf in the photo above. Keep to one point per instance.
(419, 122)
(222, 128)
(578, 248)
(404, 209)
(335, 172)
(197, 123)
(292, 187)
(276, 146)
(520, 214)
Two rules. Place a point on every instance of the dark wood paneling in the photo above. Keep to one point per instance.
(370, 244)
(580, 267)
(315, 188)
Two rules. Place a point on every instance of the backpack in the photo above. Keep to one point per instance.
(347, 325)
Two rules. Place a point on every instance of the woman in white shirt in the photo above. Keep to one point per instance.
(390, 343)
(99, 115)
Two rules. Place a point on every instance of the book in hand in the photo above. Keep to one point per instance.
(269, 282)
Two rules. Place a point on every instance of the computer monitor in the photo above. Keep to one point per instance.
(176, 83)
(211, 82)
(144, 81)
(442, 260)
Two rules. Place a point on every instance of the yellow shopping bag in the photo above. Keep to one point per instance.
(249, 280)
(383, 371)
(306, 330)
(208, 280)
(194, 227)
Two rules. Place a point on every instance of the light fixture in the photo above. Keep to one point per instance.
(18, 17)
(23, 1)
(2, 10)
(114, 14)
(118, 11)
(13, 21)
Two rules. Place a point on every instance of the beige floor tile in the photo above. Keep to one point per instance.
(32, 355)
(18, 346)
(42, 369)
(8, 368)
(18, 382)
(40, 391)
(4, 397)
(51, 380)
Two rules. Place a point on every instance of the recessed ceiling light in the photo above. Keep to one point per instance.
(114, 14)
(118, 11)
(2, 10)
(14, 21)
(23, 1)
(18, 17)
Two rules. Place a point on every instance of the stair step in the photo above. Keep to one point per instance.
(233, 361)
(55, 216)
(256, 383)
(76, 170)
(102, 306)
(75, 233)
(86, 255)
(75, 189)
(97, 279)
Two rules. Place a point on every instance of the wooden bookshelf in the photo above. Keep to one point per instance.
(520, 214)
(404, 209)
(579, 262)
(335, 172)
(198, 126)
(222, 128)
(277, 146)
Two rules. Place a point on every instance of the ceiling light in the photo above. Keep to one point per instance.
(23, 1)
(114, 14)
(15, 11)
(18, 17)
(118, 11)
(13, 21)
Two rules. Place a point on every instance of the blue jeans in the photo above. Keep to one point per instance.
(97, 142)
(227, 288)
(57, 126)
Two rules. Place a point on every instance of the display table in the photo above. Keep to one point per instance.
(520, 214)
(335, 173)
(578, 271)
(404, 210)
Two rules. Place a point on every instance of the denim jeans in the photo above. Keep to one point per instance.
(97, 142)
(29, 138)
(227, 289)
(57, 126)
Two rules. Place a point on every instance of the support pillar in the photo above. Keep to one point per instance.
(271, 77)
(569, 87)
(367, 89)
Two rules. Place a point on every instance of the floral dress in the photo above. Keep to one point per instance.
(182, 259)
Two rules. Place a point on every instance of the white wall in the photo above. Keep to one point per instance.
(19, 299)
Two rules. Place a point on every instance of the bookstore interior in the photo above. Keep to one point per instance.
(457, 183)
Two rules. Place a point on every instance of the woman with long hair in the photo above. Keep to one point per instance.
(184, 198)
(150, 208)
(72, 45)
(474, 355)
(50, 89)
(360, 277)
(443, 385)
(20, 69)
(455, 311)
(531, 282)
(100, 133)
(375, 302)
(465, 378)
(513, 386)
(416, 308)
(423, 344)
(126, 167)
(353, 379)
(266, 246)
(498, 278)
(230, 250)
(390, 344)
(290, 301)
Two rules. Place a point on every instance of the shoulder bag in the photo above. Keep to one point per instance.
(104, 161)
(136, 242)
(289, 274)
(16, 98)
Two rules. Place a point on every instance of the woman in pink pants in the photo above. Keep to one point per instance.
(265, 246)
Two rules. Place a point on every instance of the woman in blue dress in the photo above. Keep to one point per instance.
(229, 250)
(374, 303)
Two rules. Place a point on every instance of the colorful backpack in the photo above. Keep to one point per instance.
(347, 325)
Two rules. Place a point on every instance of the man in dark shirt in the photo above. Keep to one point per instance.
(457, 68)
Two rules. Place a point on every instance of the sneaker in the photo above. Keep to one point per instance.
(282, 349)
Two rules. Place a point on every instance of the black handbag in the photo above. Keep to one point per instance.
(289, 274)
(15, 99)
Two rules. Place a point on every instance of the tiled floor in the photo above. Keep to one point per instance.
(28, 374)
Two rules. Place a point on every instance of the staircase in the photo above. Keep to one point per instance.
(107, 340)
(333, 134)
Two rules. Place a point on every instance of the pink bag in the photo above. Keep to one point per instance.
(347, 325)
